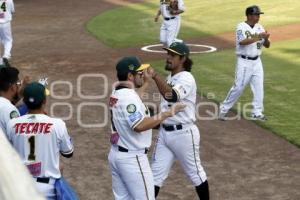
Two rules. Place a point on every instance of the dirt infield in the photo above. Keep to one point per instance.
(242, 160)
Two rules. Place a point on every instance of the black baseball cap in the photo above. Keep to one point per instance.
(253, 10)
(178, 48)
(34, 94)
(130, 64)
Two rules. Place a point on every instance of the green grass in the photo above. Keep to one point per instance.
(214, 74)
(133, 25)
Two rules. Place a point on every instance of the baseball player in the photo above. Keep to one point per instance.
(179, 137)
(39, 139)
(170, 11)
(131, 173)
(250, 38)
(6, 11)
(9, 91)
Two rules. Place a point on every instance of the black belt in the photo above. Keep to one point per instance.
(43, 180)
(167, 18)
(173, 127)
(249, 58)
(122, 149)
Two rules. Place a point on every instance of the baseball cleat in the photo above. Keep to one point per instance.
(259, 117)
(5, 62)
(222, 116)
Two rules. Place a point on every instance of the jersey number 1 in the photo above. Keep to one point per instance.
(31, 141)
(3, 7)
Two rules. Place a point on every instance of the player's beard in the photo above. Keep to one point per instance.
(168, 66)
(138, 83)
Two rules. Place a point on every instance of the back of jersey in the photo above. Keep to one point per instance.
(39, 139)
(6, 10)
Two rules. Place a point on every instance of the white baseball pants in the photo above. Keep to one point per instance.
(132, 178)
(47, 189)
(183, 145)
(169, 31)
(6, 39)
(247, 71)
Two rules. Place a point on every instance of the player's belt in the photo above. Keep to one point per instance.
(169, 18)
(122, 149)
(249, 58)
(172, 127)
(45, 180)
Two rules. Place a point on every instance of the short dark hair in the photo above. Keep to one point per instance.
(122, 76)
(8, 76)
(188, 63)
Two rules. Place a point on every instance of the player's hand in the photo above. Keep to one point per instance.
(147, 76)
(151, 72)
(173, 12)
(267, 35)
(26, 80)
(156, 19)
(43, 81)
(175, 108)
(264, 35)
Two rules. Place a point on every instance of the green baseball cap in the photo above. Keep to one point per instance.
(34, 93)
(130, 64)
(179, 48)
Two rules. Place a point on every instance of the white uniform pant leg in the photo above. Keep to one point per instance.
(163, 32)
(119, 188)
(7, 40)
(173, 30)
(132, 171)
(243, 73)
(162, 160)
(257, 87)
(48, 190)
(186, 146)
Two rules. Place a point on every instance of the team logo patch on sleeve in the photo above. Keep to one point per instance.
(135, 116)
(13, 114)
(131, 108)
(240, 35)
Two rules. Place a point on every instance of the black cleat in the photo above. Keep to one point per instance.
(5, 62)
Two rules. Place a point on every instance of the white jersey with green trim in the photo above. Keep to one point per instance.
(128, 111)
(165, 8)
(184, 84)
(39, 140)
(7, 112)
(6, 10)
(244, 31)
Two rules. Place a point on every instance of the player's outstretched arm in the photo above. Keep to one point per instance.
(267, 42)
(151, 122)
(165, 90)
(250, 40)
(157, 15)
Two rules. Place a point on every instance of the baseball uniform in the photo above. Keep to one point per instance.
(6, 11)
(7, 112)
(39, 139)
(171, 23)
(131, 173)
(179, 137)
(249, 69)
